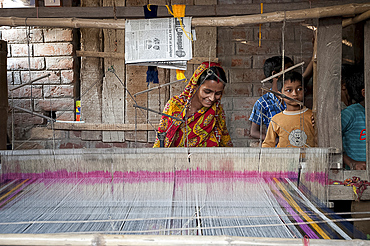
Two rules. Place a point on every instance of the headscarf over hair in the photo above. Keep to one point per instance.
(205, 128)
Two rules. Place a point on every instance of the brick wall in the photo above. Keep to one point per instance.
(51, 51)
(33, 53)
(239, 52)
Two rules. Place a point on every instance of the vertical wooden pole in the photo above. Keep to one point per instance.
(367, 90)
(3, 95)
(91, 77)
(329, 60)
(113, 94)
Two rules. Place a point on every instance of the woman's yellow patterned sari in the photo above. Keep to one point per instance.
(205, 128)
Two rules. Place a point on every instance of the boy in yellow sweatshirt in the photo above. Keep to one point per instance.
(292, 127)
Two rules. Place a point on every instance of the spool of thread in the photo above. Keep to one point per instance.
(78, 110)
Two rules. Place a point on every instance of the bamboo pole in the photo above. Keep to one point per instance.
(63, 22)
(278, 16)
(75, 126)
(359, 18)
(314, 13)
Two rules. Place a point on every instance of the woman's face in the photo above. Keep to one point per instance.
(209, 92)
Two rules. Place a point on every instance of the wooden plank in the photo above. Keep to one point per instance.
(341, 192)
(81, 53)
(3, 95)
(329, 60)
(91, 78)
(137, 11)
(84, 53)
(113, 104)
(101, 127)
(367, 91)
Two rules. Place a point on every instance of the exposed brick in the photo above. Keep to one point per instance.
(57, 35)
(26, 92)
(304, 47)
(22, 63)
(141, 136)
(267, 47)
(19, 35)
(257, 91)
(235, 1)
(238, 89)
(53, 49)
(65, 115)
(274, 33)
(102, 145)
(74, 134)
(245, 75)
(54, 77)
(137, 3)
(121, 145)
(59, 62)
(25, 119)
(240, 103)
(241, 61)
(9, 78)
(240, 34)
(55, 91)
(72, 144)
(45, 133)
(22, 103)
(9, 50)
(67, 76)
(31, 144)
(205, 2)
(54, 104)
(17, 77)
(227, 103)
(225, 48)
(140, 145)
(303, 33)
(21, 50)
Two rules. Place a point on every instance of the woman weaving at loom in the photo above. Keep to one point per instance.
(198, 106)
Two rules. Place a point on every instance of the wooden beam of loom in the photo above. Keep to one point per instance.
(101, 127)
(105, 12)
(279, 16)
(195, 60)
(75, 239)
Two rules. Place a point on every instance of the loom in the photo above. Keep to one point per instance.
(166, 196)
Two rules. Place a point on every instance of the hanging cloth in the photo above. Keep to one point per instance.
(150, 12)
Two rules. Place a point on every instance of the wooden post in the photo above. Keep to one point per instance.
(3, 95)
(367, 89)
(91, 77)
(113, 94)
(329, 60)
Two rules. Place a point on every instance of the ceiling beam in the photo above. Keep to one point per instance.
(138, 12)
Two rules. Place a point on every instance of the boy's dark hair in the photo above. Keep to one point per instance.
(292, 76)
(355, 84)
(216, 71)
(274, 64)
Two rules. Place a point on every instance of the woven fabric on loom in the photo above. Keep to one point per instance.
(236, 192)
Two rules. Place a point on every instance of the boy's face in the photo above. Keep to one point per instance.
(293, 90)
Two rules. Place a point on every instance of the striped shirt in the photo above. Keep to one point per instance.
(354, 132)
(267, 105)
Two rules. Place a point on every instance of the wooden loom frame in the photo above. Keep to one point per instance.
(331, 126)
